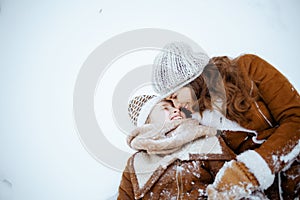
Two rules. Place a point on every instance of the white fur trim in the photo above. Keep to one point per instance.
(145, 164)
(221, 172)
(146, 109)
(258, 166)
(216, 119)
(196, 116)
(207, 145)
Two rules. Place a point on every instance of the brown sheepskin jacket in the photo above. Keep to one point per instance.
(154, 177)
(275, 116)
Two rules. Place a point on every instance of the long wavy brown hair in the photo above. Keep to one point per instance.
(222, 80)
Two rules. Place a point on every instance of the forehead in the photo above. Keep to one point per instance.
(164, 103)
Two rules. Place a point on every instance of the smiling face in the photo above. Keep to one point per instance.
(183, 98)
(164, 111)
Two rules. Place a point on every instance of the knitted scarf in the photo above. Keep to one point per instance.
(169, 137)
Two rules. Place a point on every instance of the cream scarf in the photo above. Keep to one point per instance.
(160, 146)
(169, 137)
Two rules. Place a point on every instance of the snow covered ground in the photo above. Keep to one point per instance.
(44, 45)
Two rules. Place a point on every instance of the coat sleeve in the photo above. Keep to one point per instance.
(126, 188)
(283, 101)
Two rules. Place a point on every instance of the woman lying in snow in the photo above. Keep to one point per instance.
(243, 92)
(177, 158)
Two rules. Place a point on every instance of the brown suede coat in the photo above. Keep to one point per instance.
(275, 116)
(181, 179)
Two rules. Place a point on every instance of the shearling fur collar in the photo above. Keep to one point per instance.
(192, 142)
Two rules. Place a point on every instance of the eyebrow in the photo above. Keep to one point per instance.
(166, 104)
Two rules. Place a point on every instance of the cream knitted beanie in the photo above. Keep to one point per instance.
(140, 107)
(176, 66)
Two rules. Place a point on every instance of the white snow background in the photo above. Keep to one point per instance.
(43, 46)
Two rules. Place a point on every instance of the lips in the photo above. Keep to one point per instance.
(176, 117)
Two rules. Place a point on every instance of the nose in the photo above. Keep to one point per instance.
(175, 110)
(176, 104)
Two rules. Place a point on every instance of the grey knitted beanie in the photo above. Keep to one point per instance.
(175, 66)
(140, 107)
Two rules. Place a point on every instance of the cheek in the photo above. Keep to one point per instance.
(164, 115)
(186, 95)
(183, 115)
(160, 116)
(187, 98)
(191, 97)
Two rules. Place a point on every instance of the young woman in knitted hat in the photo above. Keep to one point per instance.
(177, 158)
(245, 92)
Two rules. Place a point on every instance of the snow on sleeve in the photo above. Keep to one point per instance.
(262, 173)
(287, 159)
(291, 155)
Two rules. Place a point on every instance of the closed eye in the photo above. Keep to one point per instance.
(173, 96)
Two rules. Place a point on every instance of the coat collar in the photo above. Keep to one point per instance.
(147, 169)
